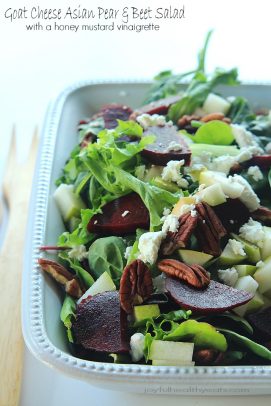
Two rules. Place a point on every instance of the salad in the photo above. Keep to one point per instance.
(166, 257)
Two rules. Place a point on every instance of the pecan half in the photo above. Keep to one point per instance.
(208, 357)
(194, 275)
(209, 230)
(215, 116)
(61, 275)
(180, 238)
(135, 285)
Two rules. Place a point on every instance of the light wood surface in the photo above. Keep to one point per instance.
(16, 189)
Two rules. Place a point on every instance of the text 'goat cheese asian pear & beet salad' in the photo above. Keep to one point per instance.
(167, 255)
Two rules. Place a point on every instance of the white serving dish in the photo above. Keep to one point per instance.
(41, 301)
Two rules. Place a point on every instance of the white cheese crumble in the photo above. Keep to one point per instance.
(253, 231)
(172, 173)
(237, 247)
(260, 263)
(248, 196)
(228, 276)
(149, 244)
(127, 252)
(171, 224)
(186, 208)
(255, 173)
(78, 252)
(124, 214)
(174, 146)
(137, 346)
(193, 213)
(222, 163)
(147, 120)
(243, 137)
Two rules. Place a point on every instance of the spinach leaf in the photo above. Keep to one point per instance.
(166, 83)
(199, 89)
(240, 111)
(67, 313)
(214, 132)
(243, 341)
(236, 322)
(107, 255)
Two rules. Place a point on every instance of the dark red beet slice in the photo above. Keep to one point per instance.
(158, 153)
(232, 214)
(262, 214)
(113, 112)
(121, 216)
(216, 298)
(261, 323)
(263, 161)
(157, 107)
(101, 324)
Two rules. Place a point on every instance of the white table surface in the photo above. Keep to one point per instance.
(35, 66)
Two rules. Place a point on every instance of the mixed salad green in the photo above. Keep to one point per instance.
(131, 195)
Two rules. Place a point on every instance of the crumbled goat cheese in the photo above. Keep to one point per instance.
(174, 146)
(171, 224)
(124, 214)
(193, 213)
(137, 341)
(185, 208)
(78, 252)
(222, 163)
(228, 276)
(140, 172)
(148, 246)
(171, 173)
(147, 120)
(96, 221)
(255, 173)
(253, 231)
(231, 221)
(237, 247)
(243, 137)
(260, 263)
(248, 196)
(128, 252)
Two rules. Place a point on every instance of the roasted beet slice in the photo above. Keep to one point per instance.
(263, 161)
(159, 152)
(113, 112)
(261, 323)
(262, 214)
(232, 214)
(216, 298)
(157, 107)
(101, 325)
(121, 216)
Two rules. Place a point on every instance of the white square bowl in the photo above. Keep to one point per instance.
(43, 331)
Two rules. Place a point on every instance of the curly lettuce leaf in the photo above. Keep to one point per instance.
(83, 275)
(154, 198)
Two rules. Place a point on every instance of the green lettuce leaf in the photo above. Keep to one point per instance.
(214, 132)
(67, 313)
(83, 275)
(154, 198)
(198, 91)
(202, 334)
(107, 255)
(245, 342)
(240, 111)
